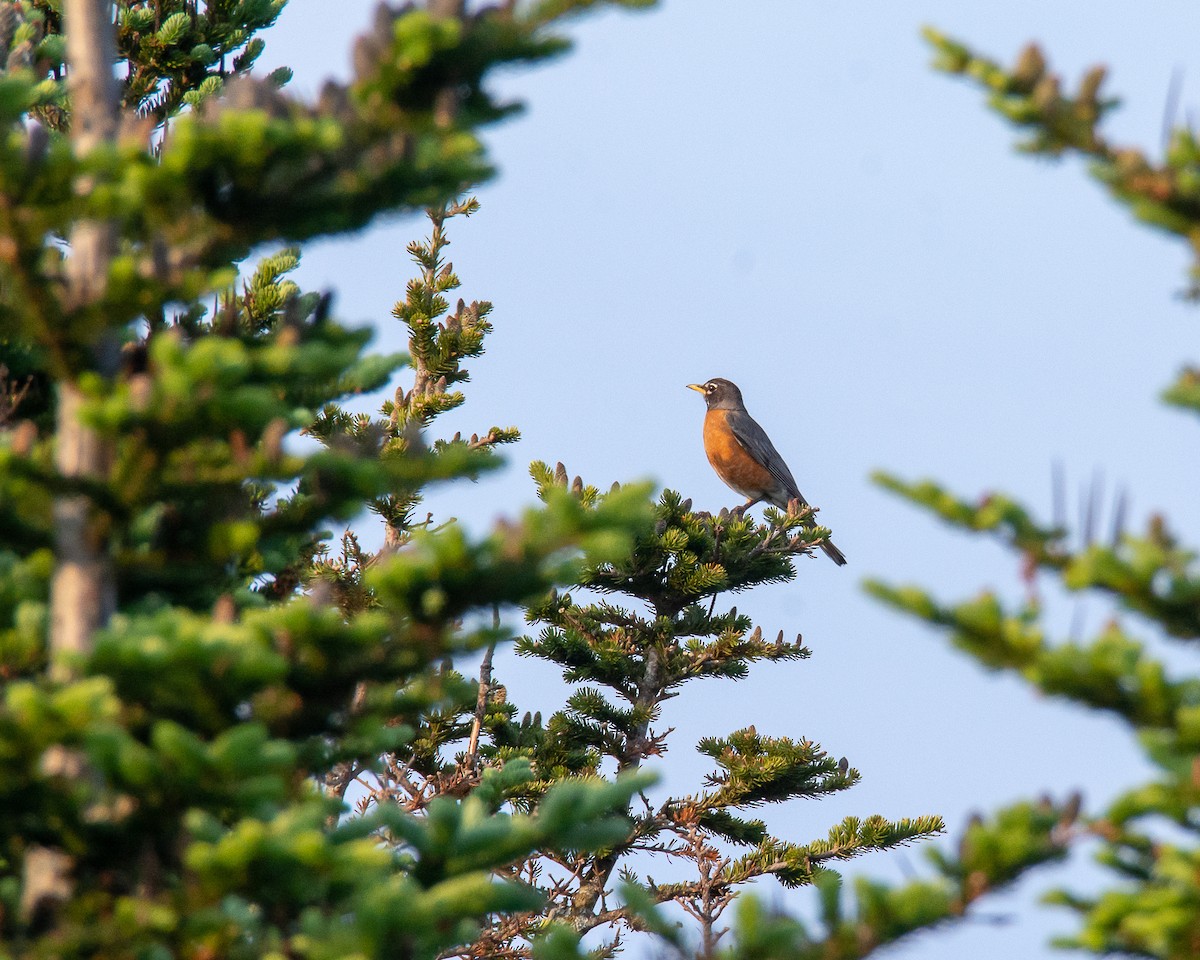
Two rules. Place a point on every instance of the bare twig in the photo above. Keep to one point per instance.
(1058, 490)
(485, 686)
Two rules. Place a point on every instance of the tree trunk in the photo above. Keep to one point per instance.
(82, 595)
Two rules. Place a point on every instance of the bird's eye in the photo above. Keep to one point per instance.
(709, 388)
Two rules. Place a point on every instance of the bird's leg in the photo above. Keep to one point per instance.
(741, 511)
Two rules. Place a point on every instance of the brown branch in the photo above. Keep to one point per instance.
(649, 692)
(12, 395)
(338, 780)
(485, 687)
(614, 915)
(489, 439)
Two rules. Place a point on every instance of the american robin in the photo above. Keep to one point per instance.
(743, 455)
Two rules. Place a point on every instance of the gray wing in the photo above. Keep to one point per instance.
(754, 438)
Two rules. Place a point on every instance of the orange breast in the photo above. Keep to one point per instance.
(731, 461)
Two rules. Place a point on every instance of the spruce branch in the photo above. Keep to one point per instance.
(1029, 95)
(438, 349)
(1151, 575)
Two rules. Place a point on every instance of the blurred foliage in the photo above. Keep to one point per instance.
(1147, 835)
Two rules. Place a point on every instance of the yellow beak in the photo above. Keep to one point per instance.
(695, 386)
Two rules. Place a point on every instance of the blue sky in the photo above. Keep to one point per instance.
(786, 195)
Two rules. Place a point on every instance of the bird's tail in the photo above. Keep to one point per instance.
(833, 553)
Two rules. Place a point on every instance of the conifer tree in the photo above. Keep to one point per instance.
(658, 624)
(171, 695)
(1151, 905)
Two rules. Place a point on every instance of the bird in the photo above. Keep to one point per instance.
(743, 456)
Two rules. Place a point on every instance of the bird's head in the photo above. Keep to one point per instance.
(719, 394)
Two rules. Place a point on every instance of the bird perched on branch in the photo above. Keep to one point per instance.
(743, 455)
